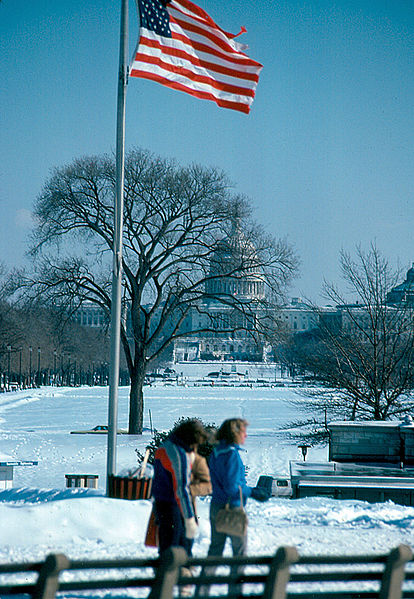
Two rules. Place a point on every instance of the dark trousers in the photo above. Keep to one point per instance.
(218, 539)
(217, 544)
(171, 530)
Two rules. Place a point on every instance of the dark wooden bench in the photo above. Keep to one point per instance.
(285, 575)
(354, 577)
(288, 575)
(58, 575)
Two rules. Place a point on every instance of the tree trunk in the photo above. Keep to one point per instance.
(136, 403)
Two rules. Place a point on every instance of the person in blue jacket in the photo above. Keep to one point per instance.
(227, 478)
(173, 504)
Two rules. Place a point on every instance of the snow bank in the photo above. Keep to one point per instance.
(39, 515)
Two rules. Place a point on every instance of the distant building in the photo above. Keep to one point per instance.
(298, 317)
(403, 293)
(90, 315)
(355, 319)
(216, 318)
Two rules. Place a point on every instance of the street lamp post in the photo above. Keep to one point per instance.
(38, 366)
(30, 365)
(68, 373)
(54, 366)
(304, 448)
(20, 367)
(8, 366)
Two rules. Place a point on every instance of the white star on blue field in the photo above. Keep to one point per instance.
(154, 16)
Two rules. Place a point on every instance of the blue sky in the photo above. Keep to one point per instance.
(326, 154)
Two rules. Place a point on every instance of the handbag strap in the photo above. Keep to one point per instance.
(227, 506)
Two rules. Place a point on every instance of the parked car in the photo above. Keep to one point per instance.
(100, 429)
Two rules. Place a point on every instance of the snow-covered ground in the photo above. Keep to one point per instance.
(39, 515)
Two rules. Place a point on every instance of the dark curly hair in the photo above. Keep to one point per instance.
(191, 432)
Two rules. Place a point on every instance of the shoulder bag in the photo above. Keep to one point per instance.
(232, 520)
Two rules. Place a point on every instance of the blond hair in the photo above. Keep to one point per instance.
(230, 429)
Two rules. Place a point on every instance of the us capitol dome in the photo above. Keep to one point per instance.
(403, 293)
(237, 256)
(233, 271)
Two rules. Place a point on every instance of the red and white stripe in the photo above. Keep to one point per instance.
(200, 59)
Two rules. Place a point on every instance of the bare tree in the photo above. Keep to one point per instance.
(10, 330)
(364, 354)
(175, 222)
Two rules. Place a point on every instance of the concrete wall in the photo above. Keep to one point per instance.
(372, 442)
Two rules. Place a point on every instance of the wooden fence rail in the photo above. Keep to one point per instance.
(285, 575)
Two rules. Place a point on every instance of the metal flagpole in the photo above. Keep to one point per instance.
(117, 247)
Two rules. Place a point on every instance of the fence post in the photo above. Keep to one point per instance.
(166, 575)
(48, 581)
(394, 572)
(279, 573)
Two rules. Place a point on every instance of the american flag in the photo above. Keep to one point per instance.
(180, 46)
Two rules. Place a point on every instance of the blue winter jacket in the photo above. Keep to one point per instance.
(227, 475)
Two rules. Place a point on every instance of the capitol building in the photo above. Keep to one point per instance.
(225, 333)
(215, 330)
